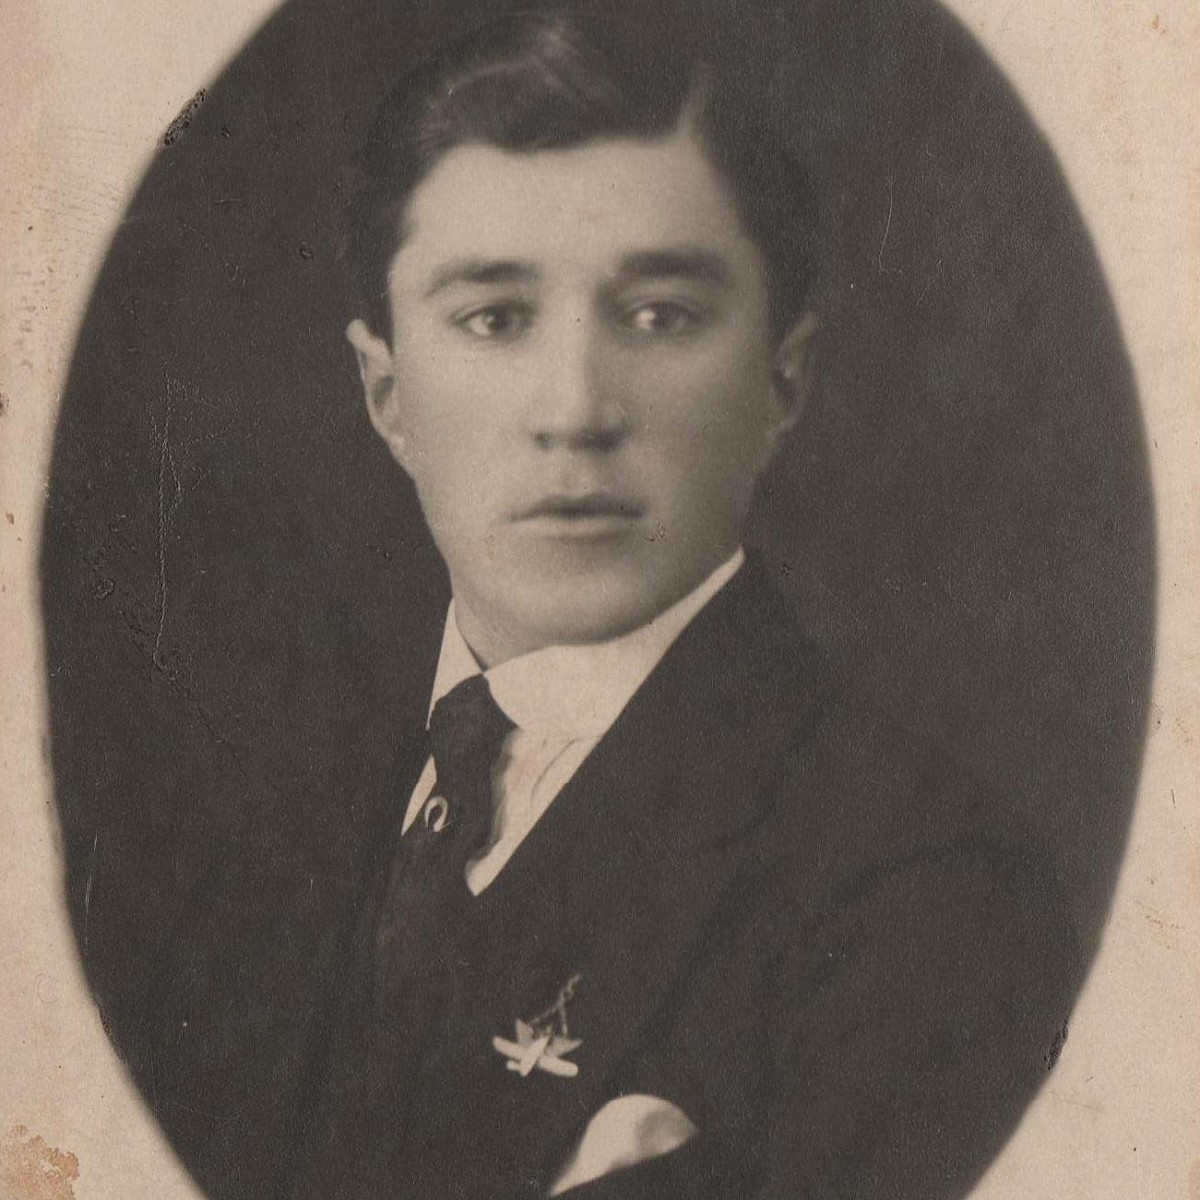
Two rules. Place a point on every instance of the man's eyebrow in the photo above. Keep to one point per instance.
(480, 271)
(703, 266)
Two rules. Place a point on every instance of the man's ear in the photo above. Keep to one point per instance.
(790, 379)
(377, 369)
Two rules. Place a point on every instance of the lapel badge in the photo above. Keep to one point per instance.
(544, 1041)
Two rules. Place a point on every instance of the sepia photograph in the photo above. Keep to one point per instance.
(599, 599)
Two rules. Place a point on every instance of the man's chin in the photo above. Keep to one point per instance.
(532, 602)
(585, 623)
(584, 614)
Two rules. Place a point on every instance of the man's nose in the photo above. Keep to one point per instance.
(576, 401)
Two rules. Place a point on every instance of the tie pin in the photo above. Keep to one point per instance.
(437, 813)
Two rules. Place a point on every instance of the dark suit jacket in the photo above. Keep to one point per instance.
(842, 957)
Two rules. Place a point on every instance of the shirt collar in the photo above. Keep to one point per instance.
(576, 691)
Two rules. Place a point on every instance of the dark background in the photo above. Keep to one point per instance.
(240, 598)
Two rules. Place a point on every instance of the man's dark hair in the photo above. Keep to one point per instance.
(557, 78)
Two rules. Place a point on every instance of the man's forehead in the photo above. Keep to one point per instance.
(608, 205)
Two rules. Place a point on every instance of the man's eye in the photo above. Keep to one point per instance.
(495, 321)
(665, 318)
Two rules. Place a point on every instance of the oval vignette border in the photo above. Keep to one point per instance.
(236, 580)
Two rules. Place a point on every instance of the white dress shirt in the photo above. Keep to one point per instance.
(562, 700)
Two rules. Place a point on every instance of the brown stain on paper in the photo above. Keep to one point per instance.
(1162, 928)
(32, 1170)
(1184, 727)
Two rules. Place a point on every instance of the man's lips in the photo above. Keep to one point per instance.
(596, 517)
(583, 508)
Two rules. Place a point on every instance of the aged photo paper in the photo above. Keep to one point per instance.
(88, 92)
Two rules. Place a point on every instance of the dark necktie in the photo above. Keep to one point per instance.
(426, 889)
(399, 1020)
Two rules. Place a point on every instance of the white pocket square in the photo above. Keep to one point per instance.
(625, 1132)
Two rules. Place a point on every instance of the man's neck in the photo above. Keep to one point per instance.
(575, 688)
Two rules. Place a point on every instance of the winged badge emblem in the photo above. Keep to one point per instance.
(543, 1042)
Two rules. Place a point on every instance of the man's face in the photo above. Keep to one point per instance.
(581, 382)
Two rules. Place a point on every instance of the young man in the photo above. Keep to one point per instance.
(662, 912)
